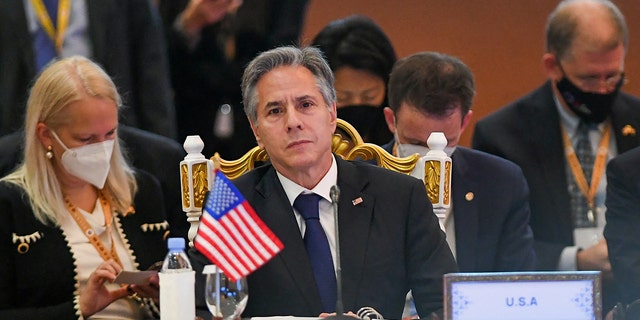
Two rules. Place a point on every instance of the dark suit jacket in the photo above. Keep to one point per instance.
(150, 152)
(40, 283)
(528, 133)
(623, 222)
(390, 243)
(492, 228)
(127, 41)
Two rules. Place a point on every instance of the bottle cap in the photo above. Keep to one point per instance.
(176, 243)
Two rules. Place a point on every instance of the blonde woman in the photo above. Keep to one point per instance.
(74, 213)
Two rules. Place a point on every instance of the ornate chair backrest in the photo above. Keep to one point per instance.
(196, 172)
(347, 144)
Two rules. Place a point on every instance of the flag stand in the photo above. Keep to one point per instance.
(218, 315)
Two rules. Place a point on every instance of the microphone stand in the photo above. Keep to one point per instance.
(335, 195)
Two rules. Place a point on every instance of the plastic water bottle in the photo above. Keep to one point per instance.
(177, 281)
(176, 259)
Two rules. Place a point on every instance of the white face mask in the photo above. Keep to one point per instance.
(90, 163)
(405, 150)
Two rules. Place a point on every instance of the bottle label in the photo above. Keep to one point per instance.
(177, 295)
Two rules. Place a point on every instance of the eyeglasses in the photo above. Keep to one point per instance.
(595, 82)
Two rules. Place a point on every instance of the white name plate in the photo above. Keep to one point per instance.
(523, 296)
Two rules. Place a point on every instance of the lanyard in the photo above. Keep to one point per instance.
(90, 233)
(598, 167)
(56, 33)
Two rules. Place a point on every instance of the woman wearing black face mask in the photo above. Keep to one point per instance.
(361, 57)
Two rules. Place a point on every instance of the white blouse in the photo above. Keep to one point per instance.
(87, 259)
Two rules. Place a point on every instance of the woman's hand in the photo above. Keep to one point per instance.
(350, 314)
(149, 290)
(96, 296)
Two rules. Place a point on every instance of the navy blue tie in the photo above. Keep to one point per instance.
(318, 250)
(45, 49)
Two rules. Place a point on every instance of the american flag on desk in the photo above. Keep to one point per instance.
(231, 234)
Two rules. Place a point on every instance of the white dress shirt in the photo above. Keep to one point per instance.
(585, 237)
(323, 189)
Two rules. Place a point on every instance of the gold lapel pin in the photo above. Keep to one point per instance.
(628, 130)
(357, 201)
(469, 196)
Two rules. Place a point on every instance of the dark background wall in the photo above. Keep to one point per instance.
(502, 41)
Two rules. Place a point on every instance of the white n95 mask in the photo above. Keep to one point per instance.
(90, 163)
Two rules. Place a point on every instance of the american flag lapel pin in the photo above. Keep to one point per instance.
(357, 201)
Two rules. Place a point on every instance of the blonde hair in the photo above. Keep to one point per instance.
(60, 84)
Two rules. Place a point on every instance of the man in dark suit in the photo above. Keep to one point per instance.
(623, 222)
(153, 153)
(390, 241)
(488, 224)
(123, 36)
(586, 45)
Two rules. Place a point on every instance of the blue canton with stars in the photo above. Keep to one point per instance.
(223, 198)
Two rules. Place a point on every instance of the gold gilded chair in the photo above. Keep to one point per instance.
(347, 144)
(196, 172)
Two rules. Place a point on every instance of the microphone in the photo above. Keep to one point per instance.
(335, 195)
(368, 313)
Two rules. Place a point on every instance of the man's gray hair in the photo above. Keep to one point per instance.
(309, 57)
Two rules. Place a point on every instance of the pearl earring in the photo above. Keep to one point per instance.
(49, 153)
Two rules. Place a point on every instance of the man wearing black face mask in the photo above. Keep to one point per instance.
(563, 133)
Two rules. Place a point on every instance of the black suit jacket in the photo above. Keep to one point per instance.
(528, 133)
(490, 201)
(623, 222)
(391, 242)
(127, 41)
(155, 154)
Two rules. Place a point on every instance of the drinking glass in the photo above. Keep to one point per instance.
(226, 299)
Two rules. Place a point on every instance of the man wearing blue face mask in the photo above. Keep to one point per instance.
(563, 133)
(488, 225)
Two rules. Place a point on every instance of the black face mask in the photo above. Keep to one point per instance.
(368, 121)
(590, 107)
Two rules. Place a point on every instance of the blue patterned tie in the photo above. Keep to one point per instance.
(584, 152)
(45, 49)
(318, 250)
